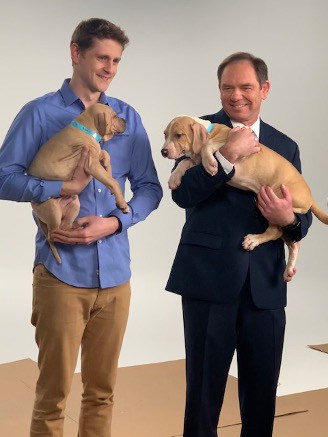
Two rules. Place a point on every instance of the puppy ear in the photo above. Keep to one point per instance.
(120, 124)
(200, 137)
(101, 123)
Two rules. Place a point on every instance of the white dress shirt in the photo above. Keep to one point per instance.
(227, 165)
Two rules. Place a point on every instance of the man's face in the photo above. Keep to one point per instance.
(96, 67)
(241, 93)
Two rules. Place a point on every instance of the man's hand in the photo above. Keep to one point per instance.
(80, 178)
(277, 211)
(241, 142)
(87, 230)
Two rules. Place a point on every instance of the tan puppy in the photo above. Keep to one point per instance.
(187, 136)
(58, 158)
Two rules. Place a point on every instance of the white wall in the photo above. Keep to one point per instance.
(170, 68)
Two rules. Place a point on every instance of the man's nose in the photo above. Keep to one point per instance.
(236, 94)
(109, 67)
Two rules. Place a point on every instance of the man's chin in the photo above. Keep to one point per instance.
(239, 116)
(103, 85)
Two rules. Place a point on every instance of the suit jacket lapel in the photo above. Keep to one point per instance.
(223, 118)
(267, 133)
(267, 136)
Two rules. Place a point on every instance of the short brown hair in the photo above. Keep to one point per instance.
(87, 30)
(260, 67)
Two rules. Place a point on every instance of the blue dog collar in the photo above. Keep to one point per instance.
(87, 130)
(210, 127)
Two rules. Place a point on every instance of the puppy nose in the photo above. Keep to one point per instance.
(164, 152)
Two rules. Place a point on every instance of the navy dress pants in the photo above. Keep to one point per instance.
(213, 332)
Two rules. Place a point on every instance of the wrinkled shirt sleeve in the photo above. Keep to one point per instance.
(21, 144)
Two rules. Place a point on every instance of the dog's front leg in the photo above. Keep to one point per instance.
(209, 162)
(104, 175)
(104, 159)
(178, 173)
(290, 270)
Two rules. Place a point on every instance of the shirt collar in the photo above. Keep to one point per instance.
(70, 97)
(255, 126)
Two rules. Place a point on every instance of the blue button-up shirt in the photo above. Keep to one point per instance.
(105, 263)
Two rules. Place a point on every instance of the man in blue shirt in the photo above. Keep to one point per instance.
(85, 300)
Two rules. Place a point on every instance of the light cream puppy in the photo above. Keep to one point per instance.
(188, 136)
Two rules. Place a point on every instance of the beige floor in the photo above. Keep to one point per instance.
(149, 403)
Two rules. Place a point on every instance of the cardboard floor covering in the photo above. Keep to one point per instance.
(149, 402)
(320, 347)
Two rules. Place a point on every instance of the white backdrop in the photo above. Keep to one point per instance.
(170, 68)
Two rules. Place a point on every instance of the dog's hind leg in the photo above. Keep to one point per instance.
(272, 232)
(70, 208)
(290, 270)
(53, 248)
(49, 215)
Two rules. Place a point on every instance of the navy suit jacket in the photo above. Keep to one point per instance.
(210, 263)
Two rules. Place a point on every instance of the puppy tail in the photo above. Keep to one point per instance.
(319, 213)
(55, 252)
(53, 248)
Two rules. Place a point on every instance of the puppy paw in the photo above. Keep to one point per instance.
(124, 208)
(212, 168)
(210, 164)
(250, 242)
(174, 182)
(289, 273)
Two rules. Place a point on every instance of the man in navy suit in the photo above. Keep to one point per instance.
(234, 299)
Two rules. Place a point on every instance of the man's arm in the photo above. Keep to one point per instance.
(21, 144)
(198, 184)
(280, 211)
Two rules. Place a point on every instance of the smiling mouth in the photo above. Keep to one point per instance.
(104, 77)
(239, 106)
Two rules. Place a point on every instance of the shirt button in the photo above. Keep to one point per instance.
(100, 215)
(99, 241)
(99, 190)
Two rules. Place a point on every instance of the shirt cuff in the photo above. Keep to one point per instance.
(125, 219)
(292, 231)
(226, 165)
(50, 189)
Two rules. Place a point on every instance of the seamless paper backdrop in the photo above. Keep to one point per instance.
(169, 68)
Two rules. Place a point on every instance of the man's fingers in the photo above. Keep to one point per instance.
(270, 193)
(285, 192)
(262, 195)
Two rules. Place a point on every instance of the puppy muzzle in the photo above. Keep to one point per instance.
(164, 153)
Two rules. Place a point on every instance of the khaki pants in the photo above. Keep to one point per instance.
(66, 318)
